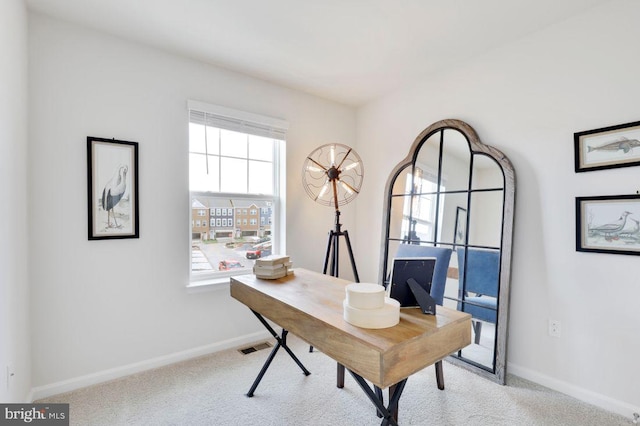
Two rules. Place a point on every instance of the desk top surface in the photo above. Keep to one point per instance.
(309, 305)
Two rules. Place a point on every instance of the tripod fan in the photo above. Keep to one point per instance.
(332, 176)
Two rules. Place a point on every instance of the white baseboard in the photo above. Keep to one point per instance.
(45, 391)
(606, 403)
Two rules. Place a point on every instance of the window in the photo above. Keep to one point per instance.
(235, 162)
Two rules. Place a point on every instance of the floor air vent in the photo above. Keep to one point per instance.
(254, 348)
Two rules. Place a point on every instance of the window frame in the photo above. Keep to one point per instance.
(200, 279)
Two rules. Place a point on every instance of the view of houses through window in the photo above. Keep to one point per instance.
(229, 234)
(233, 182)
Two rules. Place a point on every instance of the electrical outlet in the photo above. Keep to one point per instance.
(554, 328)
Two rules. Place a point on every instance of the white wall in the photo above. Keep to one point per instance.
(14, 289)
(101, 307)
(527, 99)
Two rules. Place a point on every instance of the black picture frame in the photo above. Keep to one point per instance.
(420, 269)
(608, 224)
(112, 189)
(607, 147)
(460, 228)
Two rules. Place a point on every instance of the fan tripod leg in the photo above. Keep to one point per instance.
(353, 262)
(333, 255)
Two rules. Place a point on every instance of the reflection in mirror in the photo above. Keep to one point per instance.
(485, 222)
(428, 154)
(478, 295)
(453, 219)
(456, 160)
(453, 192)
(400, 184)
(487, 173)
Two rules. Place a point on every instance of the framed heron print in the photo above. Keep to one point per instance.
(608, 224)
(608, 147)
(112, 177)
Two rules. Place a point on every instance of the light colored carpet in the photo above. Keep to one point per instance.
(211, 391)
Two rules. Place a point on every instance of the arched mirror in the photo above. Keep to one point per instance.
(454, 192)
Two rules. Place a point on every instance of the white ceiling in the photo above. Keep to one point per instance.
(350, 51)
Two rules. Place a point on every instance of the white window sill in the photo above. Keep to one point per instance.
(211, 284)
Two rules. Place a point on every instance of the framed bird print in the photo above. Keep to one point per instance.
(608, 224)
(112, 177)
(608, 147)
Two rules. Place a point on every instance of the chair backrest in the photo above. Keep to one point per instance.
(483, 269)
(442, 255)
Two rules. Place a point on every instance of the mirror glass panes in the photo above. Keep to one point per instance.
(456, 161)
(477, 294)
(426, 158)
(485, 224)
(453, 219)
(400, 183)
(487, 173)
(450, 191)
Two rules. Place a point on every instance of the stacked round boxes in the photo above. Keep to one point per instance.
(366, 306)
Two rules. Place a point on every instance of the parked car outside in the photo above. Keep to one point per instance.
(258, 251)
(225, 265)
(254, 254)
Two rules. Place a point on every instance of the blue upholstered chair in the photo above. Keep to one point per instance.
(479, 285)
(438, 283)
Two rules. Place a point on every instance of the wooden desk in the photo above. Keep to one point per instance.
(309, 305)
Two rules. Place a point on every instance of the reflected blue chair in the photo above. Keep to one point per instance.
(479, 285)
(438, 283)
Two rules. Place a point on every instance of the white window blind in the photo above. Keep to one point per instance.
(238, 121)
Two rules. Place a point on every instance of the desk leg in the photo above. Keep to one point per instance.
(392, 401)
(340, 376)
(395, 392)
(439, 375)
(281, 342)
(381, 398)
(390, 413)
